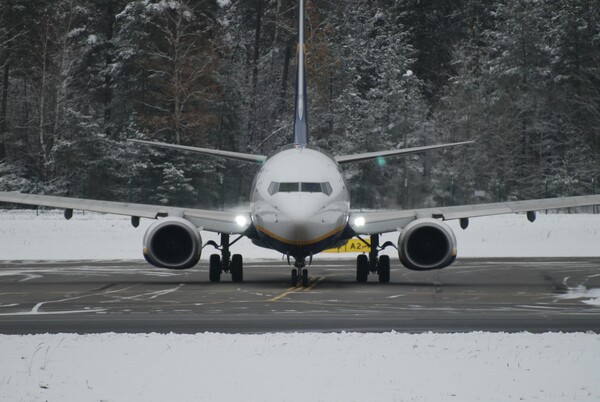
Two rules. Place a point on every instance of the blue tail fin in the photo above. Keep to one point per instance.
(300, 124)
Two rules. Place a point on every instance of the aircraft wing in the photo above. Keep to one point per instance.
(212, 221)
(391, 221)
(254, 158)
(342, 159)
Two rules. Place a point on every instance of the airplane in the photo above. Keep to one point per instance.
(299, 206)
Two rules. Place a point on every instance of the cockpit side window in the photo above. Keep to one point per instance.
(276, 187)
(273, 188)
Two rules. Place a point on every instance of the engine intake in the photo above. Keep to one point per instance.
(172, 243)
(427, 244)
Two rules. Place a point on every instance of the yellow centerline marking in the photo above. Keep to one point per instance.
(287, 292)
(299, 288)
(318, 280)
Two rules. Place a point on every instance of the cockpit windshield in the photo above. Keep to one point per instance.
(311, 187)
(294, 187)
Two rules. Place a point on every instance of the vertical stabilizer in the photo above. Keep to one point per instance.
(300, 124)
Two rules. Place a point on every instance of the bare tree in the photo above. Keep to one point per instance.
(179, 64)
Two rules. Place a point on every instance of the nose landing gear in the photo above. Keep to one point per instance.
(300, 268)
(373, 263)
(304, 279)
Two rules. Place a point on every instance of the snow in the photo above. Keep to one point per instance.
(301, 367)
(581, 292)
(298, 366)
(164, 5)
(24, 235)
(92, 40)
(75, 32)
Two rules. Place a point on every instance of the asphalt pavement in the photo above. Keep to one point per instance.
(535, 295)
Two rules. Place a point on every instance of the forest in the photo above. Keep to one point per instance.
(519, 77)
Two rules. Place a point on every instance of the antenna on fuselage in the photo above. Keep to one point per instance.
(300, 124)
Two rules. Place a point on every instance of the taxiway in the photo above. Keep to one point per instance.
(536, 295)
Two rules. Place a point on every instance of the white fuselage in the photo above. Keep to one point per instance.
(300, 202)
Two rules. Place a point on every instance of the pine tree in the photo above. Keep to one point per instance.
(380, 101)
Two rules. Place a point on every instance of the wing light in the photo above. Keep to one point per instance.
(359, 221)
(241, 220)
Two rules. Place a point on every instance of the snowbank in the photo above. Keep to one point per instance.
(301, 367)
(48, 236)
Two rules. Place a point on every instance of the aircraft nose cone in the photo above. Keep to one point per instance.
(300, 210)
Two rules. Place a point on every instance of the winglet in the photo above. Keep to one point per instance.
(300, 122)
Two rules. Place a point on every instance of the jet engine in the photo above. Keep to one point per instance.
(172, 243)
(426, 244)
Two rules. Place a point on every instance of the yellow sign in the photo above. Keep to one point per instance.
(353, 246)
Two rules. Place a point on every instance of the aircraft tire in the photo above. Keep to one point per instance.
(362, 268)
(294, 281)
(237, 268)
(214, 268)
(304, 278)
(384, 268)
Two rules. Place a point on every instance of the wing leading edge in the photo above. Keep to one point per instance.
(391, 221)
(206, 151)
(342, 159)
(212, 221)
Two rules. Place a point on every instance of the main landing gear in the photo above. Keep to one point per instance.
(225, 262)
(373, 263)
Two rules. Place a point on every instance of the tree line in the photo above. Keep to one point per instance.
(520, 77)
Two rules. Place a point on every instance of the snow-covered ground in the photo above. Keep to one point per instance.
(301, 367)
(298, 367)
(48, 236)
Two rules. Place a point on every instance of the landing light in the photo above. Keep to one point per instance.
(360, 221)
(241, 220)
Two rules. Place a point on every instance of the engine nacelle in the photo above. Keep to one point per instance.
(427, 244)
(172, 243)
